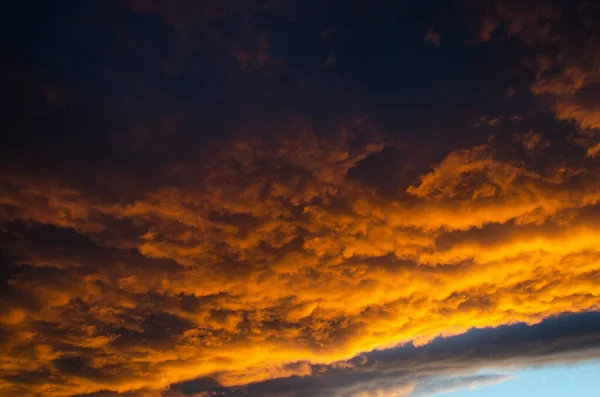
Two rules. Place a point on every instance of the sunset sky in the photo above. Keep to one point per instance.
(300, 198)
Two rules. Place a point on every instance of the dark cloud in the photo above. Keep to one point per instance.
(562, 54)
(443, 365)
(251, 197)
(278, 256)
(432, 37)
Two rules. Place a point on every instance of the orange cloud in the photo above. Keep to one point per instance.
(273, 253)
(565, 60)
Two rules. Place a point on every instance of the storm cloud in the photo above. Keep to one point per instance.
(276, 198)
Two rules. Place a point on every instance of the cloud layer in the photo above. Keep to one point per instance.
(275, 255)
(164, 234)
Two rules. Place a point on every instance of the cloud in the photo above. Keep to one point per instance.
(463, 382)
(531, 21)
(432, 37)
(533, 141)
(475, 359)
(276, 255)
(188, 217)
(565, 60)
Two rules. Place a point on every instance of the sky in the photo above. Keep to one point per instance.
(553, 381)
(284, 198)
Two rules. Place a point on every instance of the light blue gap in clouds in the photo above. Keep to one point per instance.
(576, 380)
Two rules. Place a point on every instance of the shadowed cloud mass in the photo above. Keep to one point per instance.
(279, 198)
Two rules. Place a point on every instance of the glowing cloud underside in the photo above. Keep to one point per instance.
(257, 257)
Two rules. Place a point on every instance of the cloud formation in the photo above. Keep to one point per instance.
(563, 54)
(162, 234)
(274, 254)
(475, 359)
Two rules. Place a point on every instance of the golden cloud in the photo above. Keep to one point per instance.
(565, 60)
(273, 254)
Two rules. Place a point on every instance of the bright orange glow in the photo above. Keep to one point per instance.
(218, 198)
(252, 270)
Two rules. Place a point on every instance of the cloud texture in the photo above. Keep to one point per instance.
(164, 235)
(275, 255)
